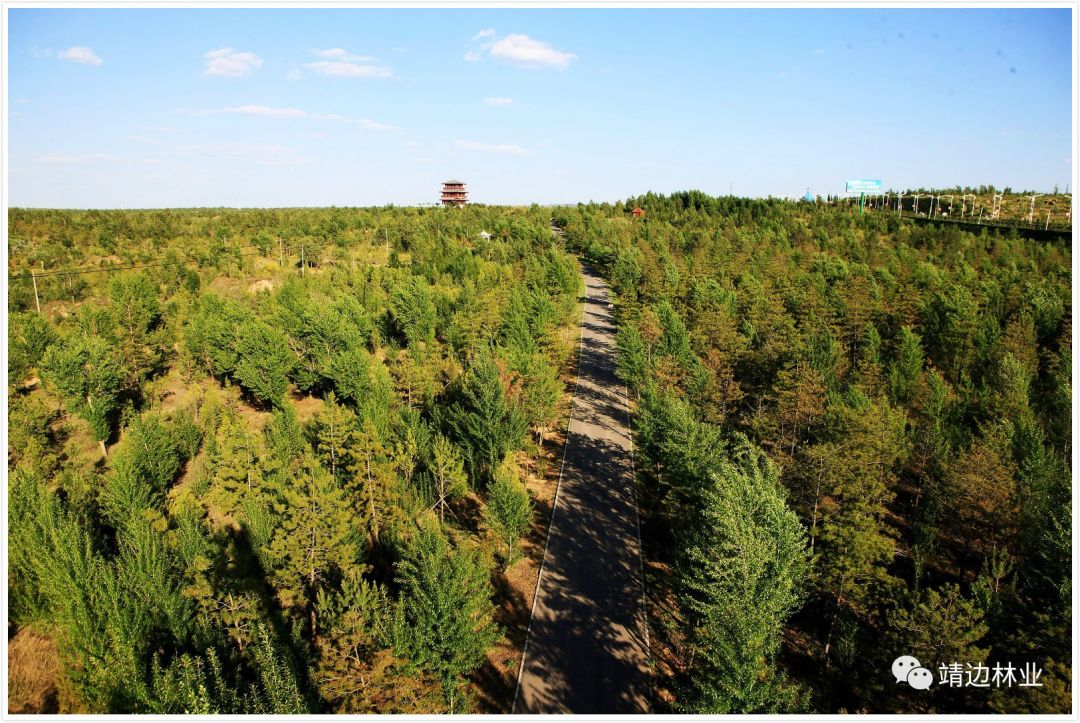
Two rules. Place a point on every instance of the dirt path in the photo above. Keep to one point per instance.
(587, 646)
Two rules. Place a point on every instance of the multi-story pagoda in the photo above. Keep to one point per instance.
(454, 194)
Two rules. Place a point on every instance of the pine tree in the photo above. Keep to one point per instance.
(906, 366)
(542, 389)
(277, 690)
(443, 621)
(743, 576)
(448, 473)
(133, 304)
(509, 510)
(356, 671)
(633, 362)
(211, 333)
(413, 307)
(85, 371)
(333, 429)
(364, 382)
(483, 421)
(153, 451)
(371, 480)
(235, 461)
(940, 627)
(313, 539)
(194, 685)
(28, 337)
(983, 498)
(264, 362)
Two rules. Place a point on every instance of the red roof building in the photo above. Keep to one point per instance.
(638, 212)
(454, 194)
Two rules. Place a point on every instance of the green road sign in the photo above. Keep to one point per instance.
(863, 185)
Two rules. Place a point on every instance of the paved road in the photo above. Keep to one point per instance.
(587, 649)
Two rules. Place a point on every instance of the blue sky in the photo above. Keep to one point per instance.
(128, 108)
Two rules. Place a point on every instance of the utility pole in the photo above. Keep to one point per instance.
(997, 205)
(916, 204)
(37, 301)
(1047, 220)
(303, 264)
(1031, 213)
(281, 253)
(963, 204)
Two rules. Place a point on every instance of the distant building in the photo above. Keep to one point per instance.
(454, 194)
(638, 212)
(809, 197)
(485, 235)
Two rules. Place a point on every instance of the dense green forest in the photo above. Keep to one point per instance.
(275, 461)
(853, 441)
(283, 460)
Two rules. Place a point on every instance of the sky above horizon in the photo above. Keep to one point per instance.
(163, 107)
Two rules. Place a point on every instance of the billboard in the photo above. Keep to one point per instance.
(864, 185)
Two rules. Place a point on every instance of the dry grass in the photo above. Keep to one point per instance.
(32, 673)
(307, 406)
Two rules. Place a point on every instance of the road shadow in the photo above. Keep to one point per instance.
(587, 648)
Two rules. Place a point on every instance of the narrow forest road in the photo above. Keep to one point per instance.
(587, 650)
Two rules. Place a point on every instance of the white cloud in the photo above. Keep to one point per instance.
(264, 111)
(342, 54)
(259, 110)
(80, 159)
(472, 56)
(294, 75)
(80, 54)
(23, 101)
(501, 148)
(330, 53)
(374, 125)
(341, 68)
(526, 52)
(268, 154)
(498, 101)
(230, 63)
(486, 33)
(235, 147)
(41, 52)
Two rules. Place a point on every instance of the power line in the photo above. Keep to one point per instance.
(45, 272)
(107, 269)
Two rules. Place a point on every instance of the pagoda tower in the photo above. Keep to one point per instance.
(454, 194)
